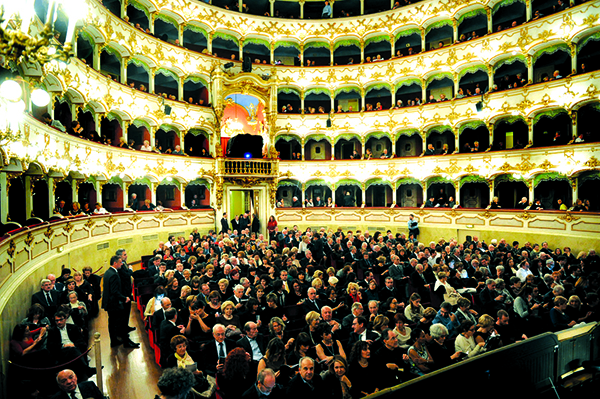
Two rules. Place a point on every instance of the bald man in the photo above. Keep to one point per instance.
(70, 389)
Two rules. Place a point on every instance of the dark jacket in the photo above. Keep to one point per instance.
(88, 390)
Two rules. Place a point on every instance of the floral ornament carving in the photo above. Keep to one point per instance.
(332, 172)
(390, 172)
(160, 169)
(135, 218)
(592, 162)
(453, 213)
(68, 227)
(525, 216)
(49, 233)
(29, 239)
(90, 223)
(525, 167)
(567, 217)
(487, 214)
(111, 167)
(547, 165)
(11, 248)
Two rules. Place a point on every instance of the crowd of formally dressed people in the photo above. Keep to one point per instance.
(346, 314)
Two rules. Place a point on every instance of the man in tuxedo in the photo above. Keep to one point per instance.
(253, 343)
(224, 223)
(168, 329)
(360, 332)
(296, 203)
(125, 274)
(311, 303)
(389, 290)
(65, 344)
(70, 389)
(318, 202)
(114, 302)
(47, 297)
(214, 352)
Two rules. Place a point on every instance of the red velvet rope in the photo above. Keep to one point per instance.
(53, 367)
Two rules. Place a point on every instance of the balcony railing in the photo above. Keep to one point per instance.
(248, 167)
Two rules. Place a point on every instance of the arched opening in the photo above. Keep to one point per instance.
(472, 25)
(375, 6)
(289, 150)
(39, 200)
(408, 42)
(474, 139)
(194, 38)
(259, 53)
(111, 130)
(505, 16)
(288, 101)
(409, 145)
(440, 192)
(379, 146)
(242, 144)
(196, 144)
(588, 188)
(471, 81)
(86, 120)
(474, 195)
(510, 192)
(511, 132)
(440, 137)
(317, 52)
(511, 73)
(166, 140)
(287, 54)
(588, 55)
(317, 100)
(86, 195)
(197, 196)
(137, 134)
(347, 100)
(344, 148)
(142, 191)
(287, 191)
(195, 92)
(85, 49)
(165, 82)
(587, 122)
(347, 51)
(317, 150)
(62, 113)
(138, 18)
(409, 195)
(550, 191)
(545, 65)
(409, 94)
(378, 98)
(113, 6)
(224, 46)
(166, 30)
(437, 86)
(354, 194)
(439, 35)
(318, 193)
(16, 201)
(137, 75)
(169, 195)
(552, 128)
(379, 48)
(287, 9)
(379, 195)
(543, 7)
(110, 64)
(63, 192)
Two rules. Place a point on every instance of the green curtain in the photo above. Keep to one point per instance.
(406, 132)
(509, 120)
(316, 45)
(594, 36)
(142, 181)
(472, 179)
(198, 132)
(288, 90)
(408, 180)
(167, 72)
(586, 176)
(140, 7)
(439, 129)
(317, 90)
(287, 137)
(167, 19)
(225, 36)
(172, 182)
(551, 176)
(197, 79)
(200, 182)
(472, 69)
(169, 128)
(510, 61)
(504, 3)
(378, 86)
(470, 125)
(289, 183)
(507, 177)
(346, 43)
(317, 182)
(378, 182)
(254, 40)
(139, 63)
(317, 137)
(553, 113)
(287, 44)
(439, 76)
(377, 39)
(347, 182)
(140, 122)
(408, 32)
(376, 135)
(111, 116)
(551, 50)
(348, 89)
(197, 29)
(471, 14)
(438, 24)
(407, 82)
(438, 179)
(346, 136)
(114, 52)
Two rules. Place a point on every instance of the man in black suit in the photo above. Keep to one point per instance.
(224, 223)
(235, 224)
(253, 343)
(134, 202)
(168, 329)
(114, 302)
(61, 209)
(65, 343)
(311, 303)
(69, 388)
(360, 332)
(265, 385)
(215, 352)
(306, 383)
(245, 221)
(419, 281)
(238, 298)
(125, 274)
(47, 297)
(490, 299)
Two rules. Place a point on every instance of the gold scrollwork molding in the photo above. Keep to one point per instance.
(567, 217)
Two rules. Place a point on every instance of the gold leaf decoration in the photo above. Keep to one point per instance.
(29, 239)
(506, 167)
(68, 227)
(525, 216)
(487, 214)
(567, 217)
(592, 162)
(49, 232)
(547, 165)
(90, 223)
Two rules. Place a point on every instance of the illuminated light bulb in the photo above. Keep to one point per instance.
(11, 90)
(40, 97)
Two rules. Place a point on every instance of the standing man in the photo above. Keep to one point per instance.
(125, 273)
(224, 223)
(113, 301)
(326, 13)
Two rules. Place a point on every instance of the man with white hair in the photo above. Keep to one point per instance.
(523, 271)
(70, 389)
(296, 203)
(311, 303)
(238, 298)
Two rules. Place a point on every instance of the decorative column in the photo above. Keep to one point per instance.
(75, 189)
(153, 187)
(272, 53)
(125, 187)
(209, 42)
(528, 10)
(529, 69)
(124, 127)
(456, 141)
(4, 185)
(457, 191)
(490, 26)
(124, 63)
(575, 188)
(531, 192)
(241, 50)
(124, 4)
(151, 80)
(362, 7)
(303, 195)
(96, 58)
(180, 33)
(302, 143)
(333, 196)
(395, 196)
(392, 139)
(182, 194)
(392, 46)
(302, 102)
(152, 133)
(240, 4)
(272, 7)
(490, 69)
(424, 136)
(301, 8)
(573, 47)
(456, 81)
(180, 89)
(422, 38)
(182, 135)
(362, 146)
(362, 50)
(529, 131)
(364, 195)
(393, 90)
(362, 98)
(425, 192)
(331, 49)
(490, 183)
(331, 2)
(51, 197)
(454, 30)
(490, 127)
(424, 91)
(573, 114)
(28, 196)
(151, 21)
(332, 98)
(301, 56)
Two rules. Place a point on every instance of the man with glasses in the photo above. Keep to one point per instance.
(265, 385)
(447, 319)
(388, 357)
(65, 344)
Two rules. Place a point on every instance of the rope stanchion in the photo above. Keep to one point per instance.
(98, 357)
(60, 366)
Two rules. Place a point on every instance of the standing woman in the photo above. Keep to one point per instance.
(271, 226)
(362, 370)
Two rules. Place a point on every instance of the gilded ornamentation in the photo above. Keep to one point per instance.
(567, 217)
(590, 20)
(89, 223)
(525, 216)
(332, 173)
(68, 227)
(487, 214)
(593, 162)
(160, 215)
(160, 169)
(111, 220)
(29, 239)
(525, 166)
(390, 172)
(135, 217)
(547, 165)
(11, 248)
(453, 213)
(49, 232)
(111, 167)
(247, 182)
(471, 169)
(506, 167)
